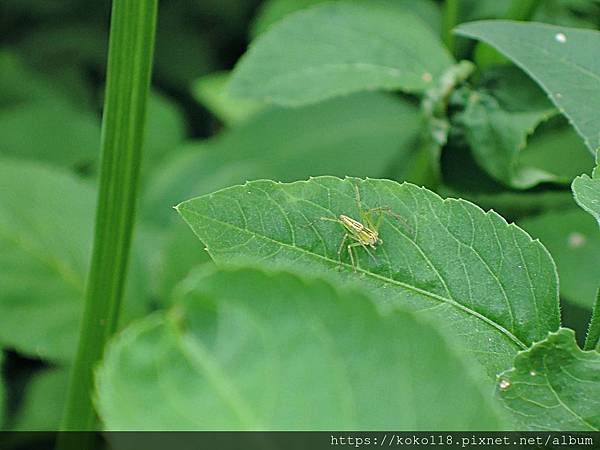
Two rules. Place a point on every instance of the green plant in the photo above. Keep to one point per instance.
(244, 314)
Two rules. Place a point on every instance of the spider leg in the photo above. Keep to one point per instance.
(341, 247)
(381, 210)
(350, 246)
(368, 251)
(328, 219)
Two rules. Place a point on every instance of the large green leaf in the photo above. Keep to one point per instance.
(46, 220)
(484, 278)
(554, 386)
(211, 90)
(339, 48)
(573, 240)
(562, 60)
(586, 191)
(362, 135)
(274, 351)
(45, 236)
(273, 11)
(50, 131)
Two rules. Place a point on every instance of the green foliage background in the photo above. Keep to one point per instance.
(260, 321)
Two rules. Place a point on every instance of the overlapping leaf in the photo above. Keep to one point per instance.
(554, 386)
(562, 60)
(485, 279)
(353, 47)
(274, 351)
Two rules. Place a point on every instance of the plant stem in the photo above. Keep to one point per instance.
(592, 340)
(131, 46)
(450, 19)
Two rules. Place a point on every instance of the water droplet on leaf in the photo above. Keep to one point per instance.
(560, 37)
(576, 240)
(504, 384)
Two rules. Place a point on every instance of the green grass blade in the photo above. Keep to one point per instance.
(131, 46)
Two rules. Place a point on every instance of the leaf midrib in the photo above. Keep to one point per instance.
(379, 277)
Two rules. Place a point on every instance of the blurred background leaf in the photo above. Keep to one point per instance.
(359, 134)
(557, 149)
(180, 253)
(217, 348)
(46, 222)
(46, 218)
(573, 240)
(20, 83)
(398, 53)
(51, 132)
(272, 11)
(43, 403)
(211, 91)
(165, 131)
